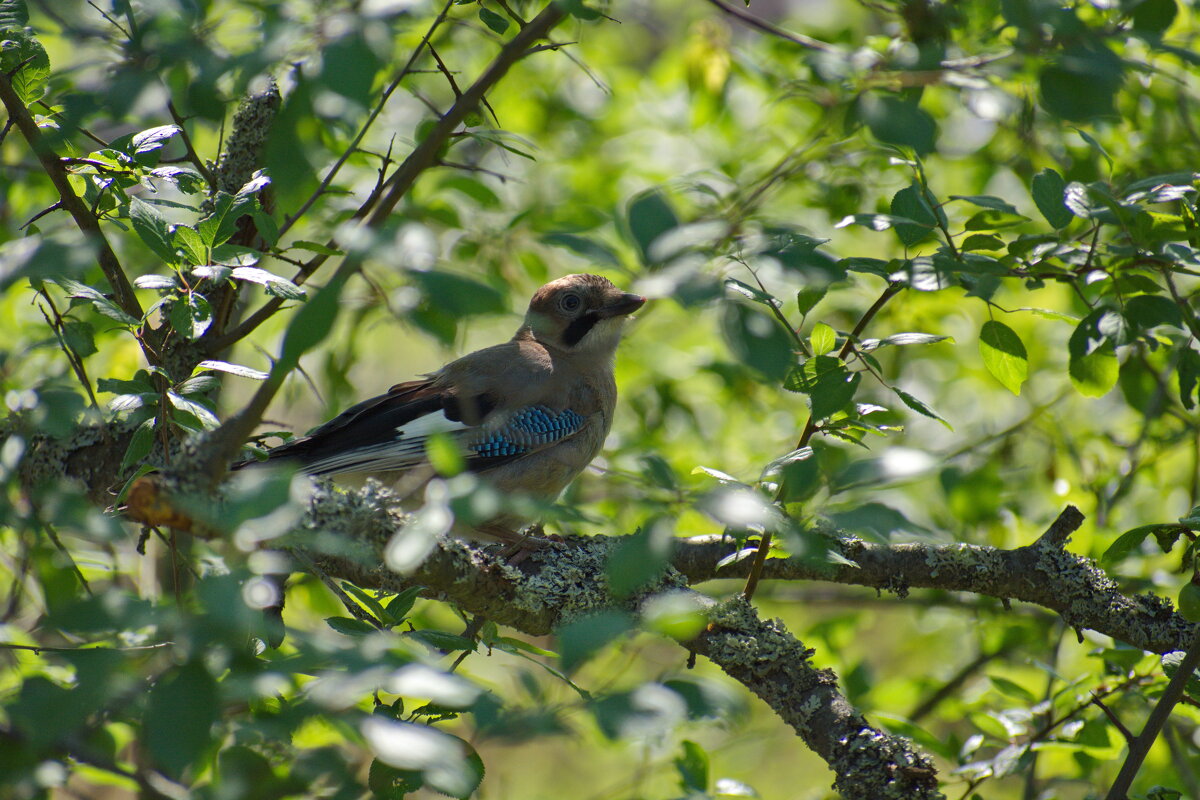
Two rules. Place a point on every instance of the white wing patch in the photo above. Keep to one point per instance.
(405, 451)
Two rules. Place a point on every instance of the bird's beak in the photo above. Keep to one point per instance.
(627, 304)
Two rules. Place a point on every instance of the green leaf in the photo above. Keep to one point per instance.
(981, 241)
(808, 297)
(638, 559)
(1153, 17)
(233, 369)
(1004, 355)
(1129, 541)
(692, 765)
(369, 600)
(584, 246)
(309, 326)
(153, 138)
(990, 220)
(29, 82)
(823, 339)
(315, 247)
(911, 203)
(221, 223)
(1189, 377)
(155, 282)
(1092, 360)
(1082, 84)
(14, 16)
(827, 382)
(101, 303)
(493, 20)
(399, 606)
(191, 316)
(581, 639)
(987, 201)
(200, 412)
(577, 9)
(188, 239)
(1012, 689)
(440, 640)
(140, 445)
(198, 384)
(180, 712)
(902, 339)
(919, 406)
(1148, 310)
(152, 228)
(80, 337)
(757, 340)
(392, 783)
(650, 216)
(893, 120)
(459, 295)
(1048, 192)
(349, 626)
(280, 287)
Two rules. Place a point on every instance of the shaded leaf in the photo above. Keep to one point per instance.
(181, 710)
(1004, 355)
(649, 216)
(919, 406)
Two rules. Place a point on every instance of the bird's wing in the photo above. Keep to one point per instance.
(390, 432)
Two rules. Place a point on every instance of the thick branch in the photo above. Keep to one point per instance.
(1043, 574)
(563, 581)
(86, 221)
(770, 662)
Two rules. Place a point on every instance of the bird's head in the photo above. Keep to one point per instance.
(580, 313)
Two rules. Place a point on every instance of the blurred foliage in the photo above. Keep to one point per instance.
(931, 276)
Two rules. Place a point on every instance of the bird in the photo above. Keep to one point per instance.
(528, 414)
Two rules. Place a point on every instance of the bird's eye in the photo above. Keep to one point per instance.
(570, 302)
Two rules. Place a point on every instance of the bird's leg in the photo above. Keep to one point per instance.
(521, 545)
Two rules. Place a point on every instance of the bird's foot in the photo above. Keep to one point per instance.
(524, 543)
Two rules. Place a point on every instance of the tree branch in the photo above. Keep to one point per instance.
(423, 156)
(348, 537)
(1041, 573)
(123, 293)
(1139, 748)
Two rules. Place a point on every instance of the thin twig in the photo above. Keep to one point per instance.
(500, 176)
(110, 20)
(227, 440)
(192, 155)
(767, 27)
(1113, 718)
(956, 681)
(123, 293)
(1139, 748)
(81, 649)
(810, 427)
(55, 207)
(454, 84)
(404, 72)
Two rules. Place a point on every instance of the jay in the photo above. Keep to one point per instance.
(529, 414)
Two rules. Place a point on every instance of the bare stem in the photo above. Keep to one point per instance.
(123, 293)
(1139, 748)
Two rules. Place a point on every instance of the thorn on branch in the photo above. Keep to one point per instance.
(1061, 529)
(57, 205)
